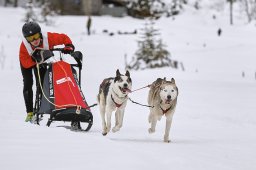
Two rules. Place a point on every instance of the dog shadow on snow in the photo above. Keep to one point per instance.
(136, 140)
(152, 140)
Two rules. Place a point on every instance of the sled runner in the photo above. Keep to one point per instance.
(60, 94)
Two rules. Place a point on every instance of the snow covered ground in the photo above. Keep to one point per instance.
(214, 124)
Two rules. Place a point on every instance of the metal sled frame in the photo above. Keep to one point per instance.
(64, 114)
(68, 114)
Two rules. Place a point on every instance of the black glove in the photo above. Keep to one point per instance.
(68, 49)
(36, 56)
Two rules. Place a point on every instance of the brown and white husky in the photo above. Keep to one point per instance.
(163, 96)
(113, 95)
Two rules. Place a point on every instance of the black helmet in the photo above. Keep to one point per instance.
(30, 28)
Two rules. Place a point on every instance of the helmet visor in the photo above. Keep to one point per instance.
(33, 37)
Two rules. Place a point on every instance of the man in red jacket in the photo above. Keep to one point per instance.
(34, 38)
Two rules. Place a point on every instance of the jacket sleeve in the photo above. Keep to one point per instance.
(25, 59)
(58, 39)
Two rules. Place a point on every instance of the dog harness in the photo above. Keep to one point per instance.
(165, 111)
(117, 105)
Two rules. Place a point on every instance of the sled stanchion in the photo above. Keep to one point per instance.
(37, 119)
(49, 123)
(79, 77)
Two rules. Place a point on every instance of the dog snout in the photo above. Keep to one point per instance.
(169, 97)
(125, 85)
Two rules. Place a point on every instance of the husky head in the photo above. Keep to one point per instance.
(168, 91)
(123, 83)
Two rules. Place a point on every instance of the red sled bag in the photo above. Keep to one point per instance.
(65, 87)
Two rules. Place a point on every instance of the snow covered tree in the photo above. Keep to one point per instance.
(176, 6)
(154, 8)
(30, 13)
(39, 11)
(142, 8)
(250, 9)
(151, 52)
(46, 11)
(146, 8)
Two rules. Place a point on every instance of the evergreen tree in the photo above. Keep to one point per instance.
(30, 13)
(46, 11)
(145, 8)
(154, 8)
(250, 9)
(151, 51)
(40, 13)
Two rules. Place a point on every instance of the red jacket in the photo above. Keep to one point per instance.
(53, 40)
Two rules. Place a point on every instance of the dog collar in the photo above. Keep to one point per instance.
(117, 105)
(165, 111)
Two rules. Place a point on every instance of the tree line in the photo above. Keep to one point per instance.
(149, 8)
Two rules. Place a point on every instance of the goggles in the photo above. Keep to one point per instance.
(33, 37)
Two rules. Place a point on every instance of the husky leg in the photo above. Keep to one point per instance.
(167, 129)
(117, 117)
(104, 127)
(150, 116)
(152, 129)
(108, 113)
(119, 122)
(117, 114)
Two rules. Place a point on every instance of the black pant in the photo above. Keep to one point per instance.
(27, 74)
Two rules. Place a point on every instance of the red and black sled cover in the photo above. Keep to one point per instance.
(61, 88)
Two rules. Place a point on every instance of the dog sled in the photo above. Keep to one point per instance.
(59, 91)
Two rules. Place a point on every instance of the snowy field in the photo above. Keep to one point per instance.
(215, 121)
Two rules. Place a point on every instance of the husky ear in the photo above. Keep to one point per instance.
(127, 73)
(173, 81)
(118, 73)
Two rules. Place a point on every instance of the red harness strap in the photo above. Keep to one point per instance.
(117, 105)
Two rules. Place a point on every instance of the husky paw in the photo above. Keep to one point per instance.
(167, 140)
(115, 129)
(151, 130)
(104, 133)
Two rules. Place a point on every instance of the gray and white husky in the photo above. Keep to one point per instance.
(113, 95)
(163, 96)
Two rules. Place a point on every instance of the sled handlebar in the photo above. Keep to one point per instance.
(57, 49)
(46, 54)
